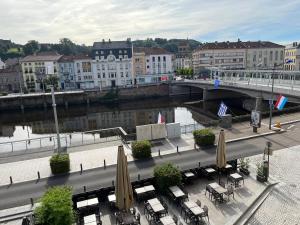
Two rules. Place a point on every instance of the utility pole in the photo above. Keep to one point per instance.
(55, 119)
(271, 101)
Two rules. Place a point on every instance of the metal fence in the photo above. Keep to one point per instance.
(66, 140)
(189, 128)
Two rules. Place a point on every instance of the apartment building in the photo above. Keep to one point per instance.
(39, 70)
(292, 57)
(112, 63)
(2, 64)
(183, 58)
(11, 79)
(238, 55)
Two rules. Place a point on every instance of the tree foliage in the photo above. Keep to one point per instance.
(204, 137)
(31, 47)
(56, 207)
(186, 72)
(141, 149)
(167, 175)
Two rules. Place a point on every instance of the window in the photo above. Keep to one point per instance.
(153, 59)
(148, 67)
(125, 51)
(281, 55)
(164, 58)
(158, 58)
(122, 75)
(96, 52)
(254, 58)
(102, 52)
(99, 76)
(103, 75)
(276, 55)
(86, 67)
(120, 51)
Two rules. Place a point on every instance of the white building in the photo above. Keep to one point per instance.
(292, 57)
(158, 61)
(84, 74)
(112, 63)
(238, 55)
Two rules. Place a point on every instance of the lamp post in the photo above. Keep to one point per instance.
(271, 101)
(55, 119)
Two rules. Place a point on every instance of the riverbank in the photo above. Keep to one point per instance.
(65, 99)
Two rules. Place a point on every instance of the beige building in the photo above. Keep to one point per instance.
(238, 55)
(292, 57)
(139, 62)
(183, 58)
(38, 68)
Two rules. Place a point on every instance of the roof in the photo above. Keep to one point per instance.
(71, 58)
(239, 45)
(151, 51)
(112, 44)
(43, 56)
(293, 45)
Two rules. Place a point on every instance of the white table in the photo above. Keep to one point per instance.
(153, 201)
(84, 203)
(210, 170)
(228, 166)
(218, 188)
(177, 192)
(189, 174)
(89, 219)
(112, 198)
(194, 208)
(149, 188)
(144, 189)
(167, 220)
(190, 204)
(236, 176)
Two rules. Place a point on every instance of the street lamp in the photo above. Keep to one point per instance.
(55, 119)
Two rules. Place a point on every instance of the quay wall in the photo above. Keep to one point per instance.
(44, 100)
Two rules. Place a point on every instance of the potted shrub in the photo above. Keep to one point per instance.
(204, 137)
(55, 207)
(141, 149)
(60, 163)
(244, 166)
(260, 173)
(167, 175)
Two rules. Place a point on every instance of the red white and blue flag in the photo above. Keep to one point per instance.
(281, 101)
(161, 118)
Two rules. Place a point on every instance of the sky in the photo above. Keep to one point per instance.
(86, 21)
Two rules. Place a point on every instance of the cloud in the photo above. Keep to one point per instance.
(86, 21)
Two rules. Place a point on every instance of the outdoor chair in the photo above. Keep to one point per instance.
(175, 218)
(205, 213)
(138, 217)
(198, 202)
(133, 211)
(217, 197)
(209, 190)
(230, 191)
(222, 183)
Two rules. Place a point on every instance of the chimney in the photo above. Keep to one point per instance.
(128, 40)
(103, 41)
(239, 40)
(109, 41)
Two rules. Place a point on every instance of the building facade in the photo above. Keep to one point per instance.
(292, 57)
(84, 73)
(152, 65)
(40, 70)
(11, 80)
(183, 59)
(112, 63)
(66, 72)
(238, 55)
(2, 64)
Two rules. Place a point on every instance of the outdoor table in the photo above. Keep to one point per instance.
(228, 166)
(92, 201)
(112, 198)
(156, 205)
(81, 204)
(197, 210)
(210, 170)
(153, 201)
(167, 220)
(89, 219)
(236, 178)
(190, 204)
(189, 174)
(219, 189)
(140, 190)
(149, 188)
(176, 191)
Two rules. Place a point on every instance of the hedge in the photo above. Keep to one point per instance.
(204, 137)
(60, 163)
(141, 149)
(167, 175)
(56, 207)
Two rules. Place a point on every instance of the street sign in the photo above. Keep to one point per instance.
(255, 119)
(270, 102)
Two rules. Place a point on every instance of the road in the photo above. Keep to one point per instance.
(20, 194)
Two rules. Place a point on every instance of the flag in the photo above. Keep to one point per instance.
(281, 101)
(217, 83)
(287, 61)
(222, 109)
(161, 118)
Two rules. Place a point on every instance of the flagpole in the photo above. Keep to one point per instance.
(271, 103)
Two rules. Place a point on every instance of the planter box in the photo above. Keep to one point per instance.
(245, 171)
(261, 178)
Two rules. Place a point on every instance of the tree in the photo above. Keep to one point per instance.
(31, 47)
(67, 47)
(56, 207)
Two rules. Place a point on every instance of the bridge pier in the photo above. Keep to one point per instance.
(205, 94)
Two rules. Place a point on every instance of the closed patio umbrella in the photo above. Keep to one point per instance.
(221, 152)
(124, 194)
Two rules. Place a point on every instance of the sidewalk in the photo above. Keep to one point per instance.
(93, 156)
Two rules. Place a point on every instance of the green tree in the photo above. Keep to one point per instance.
(56, 207)
(167, 175)
(31, 47)
(67, 47)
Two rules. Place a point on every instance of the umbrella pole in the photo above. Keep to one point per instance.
(219, 172)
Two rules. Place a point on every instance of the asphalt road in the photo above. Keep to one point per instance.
(20, 193)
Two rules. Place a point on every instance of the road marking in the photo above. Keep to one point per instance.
(291, 126)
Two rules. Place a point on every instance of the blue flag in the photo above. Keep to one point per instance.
(222, 109)
(217, 83)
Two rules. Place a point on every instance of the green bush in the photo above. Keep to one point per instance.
(167, 175)
(60, 163)
(141, 149)
(56, 207)
(204, 137)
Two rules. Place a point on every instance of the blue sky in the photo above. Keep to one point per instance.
(85, 21)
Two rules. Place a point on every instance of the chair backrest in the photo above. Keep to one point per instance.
(175, 218)
(138, 216)
(222, 183)
(198, 202)
(230, 189)
(205, 209)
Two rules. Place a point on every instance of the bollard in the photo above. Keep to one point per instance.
(39, 175)
(199, 164)
(158, 152)
(104, 164)
(84, 188)
(11, 181)
(113, 183)
(177, 149)
(139, 177)
(81, 168)
(31, 201)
